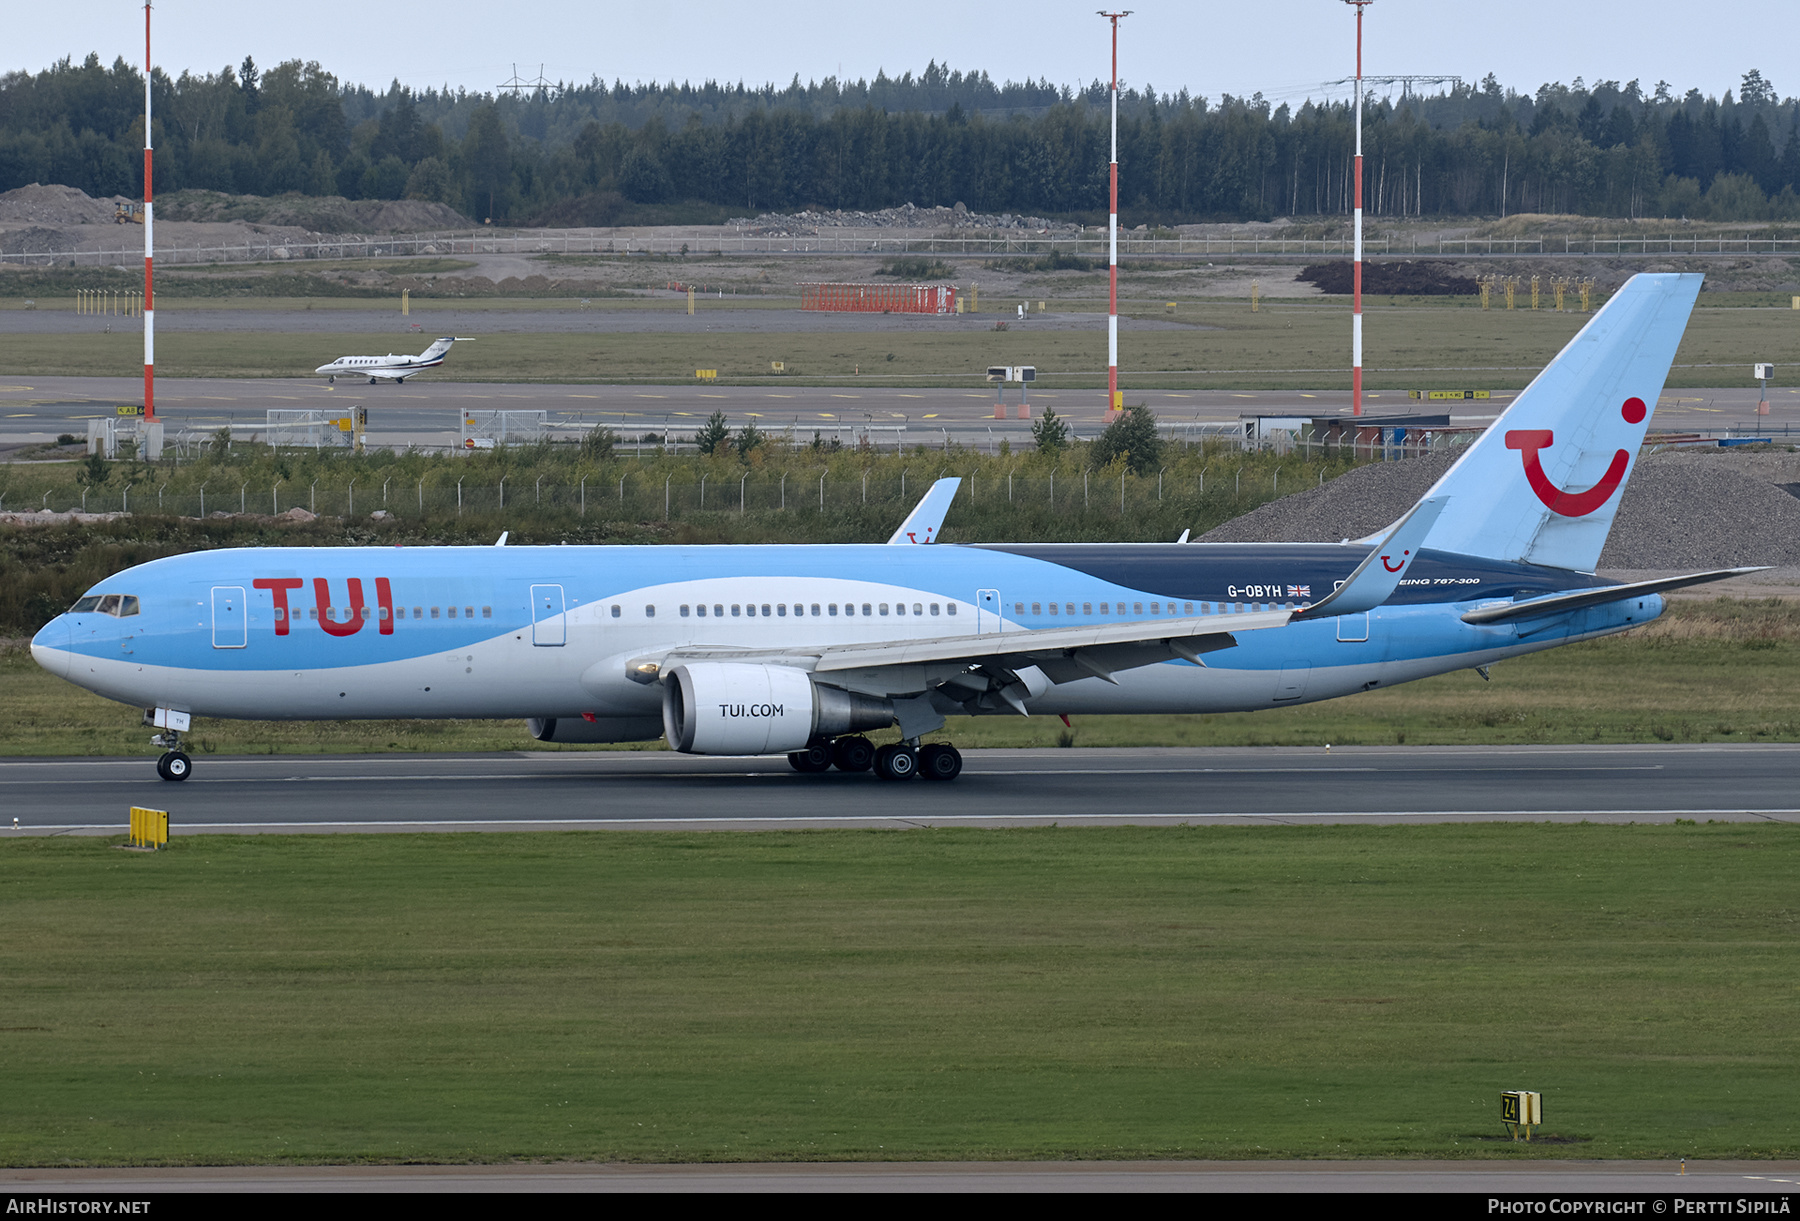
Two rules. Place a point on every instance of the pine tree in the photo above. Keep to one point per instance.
(712, 434)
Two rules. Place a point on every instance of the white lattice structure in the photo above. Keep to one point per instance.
(487, 429)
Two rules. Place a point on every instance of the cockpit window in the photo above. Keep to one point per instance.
(106, 604)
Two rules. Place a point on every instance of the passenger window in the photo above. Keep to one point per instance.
(920, 610)
(866, 609)
(700, 610)
(128, 605)
(365, 612)
(934, 608)
(434, 612)
(781, 609)
(737, 610)
(1156, 608)
(487, 612)
(765, 610)
(684, 610)
(1018, 608)
(649, 612)
(718, 610)
(951, 608)
(1103, 609)
(1187, 608)
(416, 614)
(815, 610)
(452, 613)
(280, 614)
(468, 612)
(1137, 608)
(884, 608)
(1070, 608)
(615, 612)
(1053, 608)
(831, 609)
(1087, 608)
(900, 608)
(382, 613)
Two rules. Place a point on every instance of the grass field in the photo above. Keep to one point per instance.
(1720, 671)
(1215, 992)
(1282, 347)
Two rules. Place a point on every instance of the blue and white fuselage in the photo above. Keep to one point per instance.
(799, 649)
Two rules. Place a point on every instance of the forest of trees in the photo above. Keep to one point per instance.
(578, 153)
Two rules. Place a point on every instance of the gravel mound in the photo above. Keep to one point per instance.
(1350, 506)
(55, 205)
(906, 216)
(1682, 510)
(36, 239)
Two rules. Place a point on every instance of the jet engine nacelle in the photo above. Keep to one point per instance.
(735, 708)
(601, 729)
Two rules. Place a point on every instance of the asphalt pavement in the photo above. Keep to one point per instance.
(660, 790)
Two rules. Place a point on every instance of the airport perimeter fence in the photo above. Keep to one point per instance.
(1218, 490)
(558, 242)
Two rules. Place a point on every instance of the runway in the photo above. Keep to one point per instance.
(659, 790)
(1564, 1179)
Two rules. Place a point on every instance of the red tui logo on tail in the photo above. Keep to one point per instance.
(1572, 504)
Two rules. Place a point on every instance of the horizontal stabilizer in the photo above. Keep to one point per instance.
(1557, 604)
(923, 523)
(1382, 570)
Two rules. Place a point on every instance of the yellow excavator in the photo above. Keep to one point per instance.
(128, 214)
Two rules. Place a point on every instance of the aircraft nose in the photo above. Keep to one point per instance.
(50, 647)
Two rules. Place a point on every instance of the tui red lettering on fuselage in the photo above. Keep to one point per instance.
(355, 613)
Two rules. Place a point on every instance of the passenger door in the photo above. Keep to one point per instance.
(987, 612)
(548, 626)
(230, 621)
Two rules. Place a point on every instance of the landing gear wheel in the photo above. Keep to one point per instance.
(174, 766)
(853, 753)
(940, 761)
(814, 758)
(896, 762)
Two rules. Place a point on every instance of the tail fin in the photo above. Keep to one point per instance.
(438, 347)
(1543, 484)
(923, 523)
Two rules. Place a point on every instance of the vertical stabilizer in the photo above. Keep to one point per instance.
(1543, 484)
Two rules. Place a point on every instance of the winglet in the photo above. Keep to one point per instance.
(1381, 571)
(922, 524)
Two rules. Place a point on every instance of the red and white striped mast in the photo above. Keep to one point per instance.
(1113, 398)
(149, 245)
(1356, 344)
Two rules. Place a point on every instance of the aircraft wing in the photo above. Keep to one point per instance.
(923, 523)
(1555, 604)
(992, 661)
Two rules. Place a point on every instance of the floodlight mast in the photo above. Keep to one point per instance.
(149, 245)
(1114, 401)
(1356, 271)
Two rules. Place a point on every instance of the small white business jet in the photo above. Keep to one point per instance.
(390, 367)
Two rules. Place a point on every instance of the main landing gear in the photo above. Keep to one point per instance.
(174, 764)
(896, 761)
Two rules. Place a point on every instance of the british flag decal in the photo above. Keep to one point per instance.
(1299, 591)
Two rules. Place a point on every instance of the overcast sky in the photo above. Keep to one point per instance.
(1285, 48)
